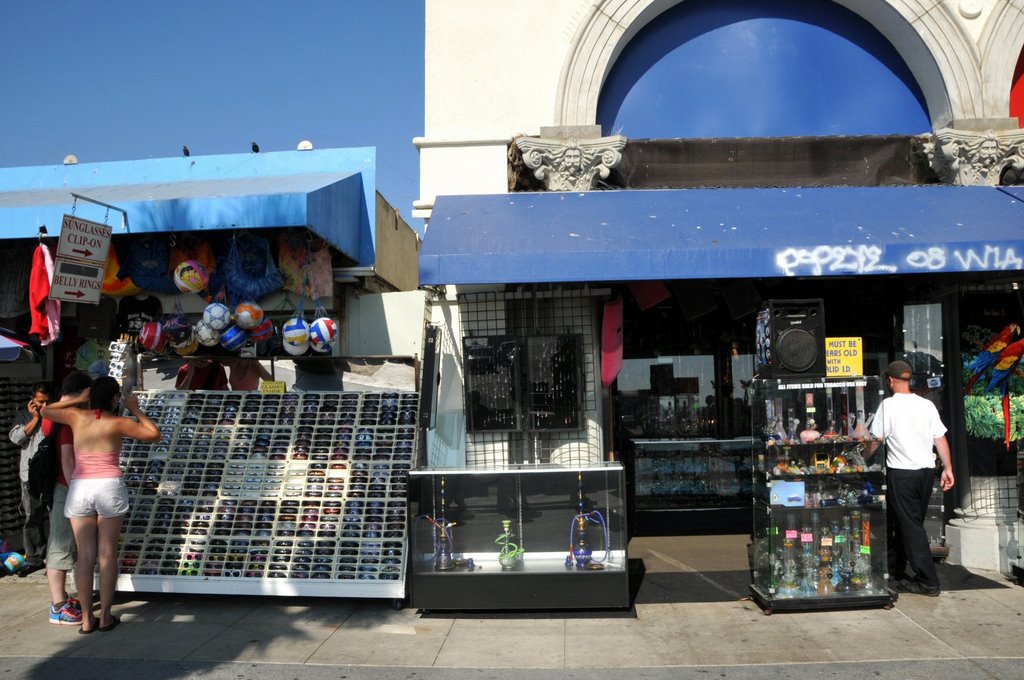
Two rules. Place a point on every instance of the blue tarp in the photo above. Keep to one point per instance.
(721, 233)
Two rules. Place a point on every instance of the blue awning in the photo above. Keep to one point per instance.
(328, 204)
(721, 233)
(329, 191)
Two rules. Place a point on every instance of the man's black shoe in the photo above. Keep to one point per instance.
(30, 569)
(917, 588)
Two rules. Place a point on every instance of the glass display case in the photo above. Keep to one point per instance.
(519, 537)
(691, 474)
(819, 495)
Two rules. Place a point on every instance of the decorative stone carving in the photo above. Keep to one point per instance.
(976, 158)
(571, 164)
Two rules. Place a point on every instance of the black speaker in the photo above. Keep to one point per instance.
(790, 338)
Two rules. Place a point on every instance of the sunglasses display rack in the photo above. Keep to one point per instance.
(270, 494)
(13, 397)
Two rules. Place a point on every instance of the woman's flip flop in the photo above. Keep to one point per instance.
(113, 624)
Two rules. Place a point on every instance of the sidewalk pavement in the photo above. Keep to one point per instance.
(691, 615)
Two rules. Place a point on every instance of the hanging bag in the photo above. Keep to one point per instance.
(249, 270)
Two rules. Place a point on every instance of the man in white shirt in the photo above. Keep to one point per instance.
(911, 427)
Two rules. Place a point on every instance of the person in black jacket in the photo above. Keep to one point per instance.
(28, 432)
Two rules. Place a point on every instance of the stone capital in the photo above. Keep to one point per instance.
(571, 164)
(971, 158)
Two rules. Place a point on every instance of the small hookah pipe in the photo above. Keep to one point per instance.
(580, 554)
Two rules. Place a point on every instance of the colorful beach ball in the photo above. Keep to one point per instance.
(178, 329)
(217, 316)
(232, 338)
(263, 331)
(205, 334)
(322, 333)
(191, 277)
(295, 331)
(248, 315)
(152, 336)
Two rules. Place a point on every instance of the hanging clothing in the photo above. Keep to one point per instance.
(134, 312)
(14, 277)
(99, 320)
(45, 312)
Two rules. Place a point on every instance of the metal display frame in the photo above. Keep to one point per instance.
(300, 494)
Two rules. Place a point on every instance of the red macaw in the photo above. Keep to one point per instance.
(989, 354)
(1004, 367)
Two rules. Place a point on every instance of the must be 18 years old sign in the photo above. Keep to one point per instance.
(80, 260)
(844, 357)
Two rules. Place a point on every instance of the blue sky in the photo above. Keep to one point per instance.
(124, 80)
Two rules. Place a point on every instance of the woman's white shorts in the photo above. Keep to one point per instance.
(106, 497)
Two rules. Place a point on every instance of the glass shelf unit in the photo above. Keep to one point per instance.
(819, 495)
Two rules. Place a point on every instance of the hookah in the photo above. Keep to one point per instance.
(442, 537)
(580, 553)
(808, 587)
(838, 548)
(510, 554)
(825, 586)
(844, 573)
(788, 586)
(856, 573)
(862, 567)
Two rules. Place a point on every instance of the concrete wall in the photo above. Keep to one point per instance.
(495, 70)
(398, 248)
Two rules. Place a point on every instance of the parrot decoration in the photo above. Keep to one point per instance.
(1005, 364)
(989, 355)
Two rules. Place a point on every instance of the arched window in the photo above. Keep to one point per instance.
(746, 68)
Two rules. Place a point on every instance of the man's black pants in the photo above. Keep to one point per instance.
(907, 500)
(36, 529)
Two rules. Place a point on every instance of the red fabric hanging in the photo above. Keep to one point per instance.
(44, 312)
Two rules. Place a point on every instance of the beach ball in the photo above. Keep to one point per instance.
(232, 338)
(152, 336)
(217, 316)
(191, 277)
(295, 331)
(205, 334)
(296, 348)
(177, 329)
(262, 331)
(322, 333)
(248, 315)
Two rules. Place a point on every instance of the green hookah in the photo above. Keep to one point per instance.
(509, 555)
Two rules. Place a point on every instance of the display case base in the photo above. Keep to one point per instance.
(262, 586)
(511, 590)
(770, 603)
